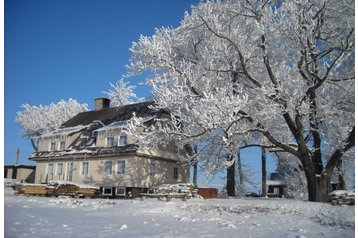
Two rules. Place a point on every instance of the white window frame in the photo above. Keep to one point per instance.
(52, 146)
(104, 188)
(125, 141)
(120, 188)
(58, 169)
(106, 169)
(120, 170)
(50, 172)
(83, 168)
(107, 141)
(70, 169)
(62, 145)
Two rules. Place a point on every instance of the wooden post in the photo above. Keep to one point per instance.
(17, 156)
(263, 159)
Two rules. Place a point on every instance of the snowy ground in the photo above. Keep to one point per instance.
(68, 217)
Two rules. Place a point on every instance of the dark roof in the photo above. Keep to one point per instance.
(20, 166)
(275, 176)
(113, 114)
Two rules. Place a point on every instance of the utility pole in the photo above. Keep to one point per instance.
(17, 156)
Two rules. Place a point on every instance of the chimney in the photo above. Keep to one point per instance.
(101, 103)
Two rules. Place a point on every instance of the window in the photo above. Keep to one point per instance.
(84, 168)
(152, 169)
(107, 191)
(59, 169)
(52, 146)
(62, 145)
(123, 140)
(110, 141)
(108, 167)
(69, 171)
(121, 167)
(121, 191)
(175, 173)
(50, 169)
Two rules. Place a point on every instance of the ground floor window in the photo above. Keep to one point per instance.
(69, 171)
(107, 191)
(59, 169)
(121, 191)
(84, 168)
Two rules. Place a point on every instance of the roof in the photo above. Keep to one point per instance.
(19, 166)
(113, 114)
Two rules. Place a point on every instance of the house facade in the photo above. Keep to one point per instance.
(93, 148)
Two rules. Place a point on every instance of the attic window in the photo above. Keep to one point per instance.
(52, 146)
(123, 140)
(110, 141)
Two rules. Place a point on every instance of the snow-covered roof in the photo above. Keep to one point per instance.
(64, 131)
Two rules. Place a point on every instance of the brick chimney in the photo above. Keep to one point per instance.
(101, 103)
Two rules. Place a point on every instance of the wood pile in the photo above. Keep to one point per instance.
(342, 197)
(182, 191)
(57, 189)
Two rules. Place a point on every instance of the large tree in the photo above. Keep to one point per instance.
(277, 74)
(38, 120)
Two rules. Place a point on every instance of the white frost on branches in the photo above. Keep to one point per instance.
(277, 75)
(122, 94)
(38, 120)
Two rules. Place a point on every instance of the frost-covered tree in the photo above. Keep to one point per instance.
(38, 120)
(271, 73)
(122, 94)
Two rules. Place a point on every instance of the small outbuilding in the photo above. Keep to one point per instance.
(276, 186)
(20, 173)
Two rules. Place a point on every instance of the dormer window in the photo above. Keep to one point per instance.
(123, 140)
(110, 141)
(52, 146)
(62, 145)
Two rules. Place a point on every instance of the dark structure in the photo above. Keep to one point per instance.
(276, 186)
(20, 173)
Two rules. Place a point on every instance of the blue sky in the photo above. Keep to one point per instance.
(61, 49)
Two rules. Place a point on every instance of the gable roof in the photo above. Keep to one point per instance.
(113, 114)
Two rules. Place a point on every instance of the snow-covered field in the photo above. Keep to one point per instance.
(68, 217)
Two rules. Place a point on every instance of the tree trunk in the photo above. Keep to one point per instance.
(230, 179)
(241, 175)
(318, 186)
(195, 175)
(264, 175)
(341, 182)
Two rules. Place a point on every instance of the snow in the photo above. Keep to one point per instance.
(68, 217)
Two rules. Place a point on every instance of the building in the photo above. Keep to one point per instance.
(276, 186)
(93, 148)
(20, 173)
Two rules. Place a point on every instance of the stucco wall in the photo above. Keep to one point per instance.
(136, 174)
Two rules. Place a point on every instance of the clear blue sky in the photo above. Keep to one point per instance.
(61, 49)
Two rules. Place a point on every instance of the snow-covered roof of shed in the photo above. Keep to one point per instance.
(113, 114)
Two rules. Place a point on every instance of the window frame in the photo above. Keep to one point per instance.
(83, 168)
(121, 170)
(121, 194)
(120, 140)
(52, 146)
(48, 169)
(62, 145)
(59, 165)
(108, 194)
(106, 169)
(112, 141)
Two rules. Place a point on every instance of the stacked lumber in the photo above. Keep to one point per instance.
(342, 197)
(183, 191)
(36, 189)
(57, 189)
